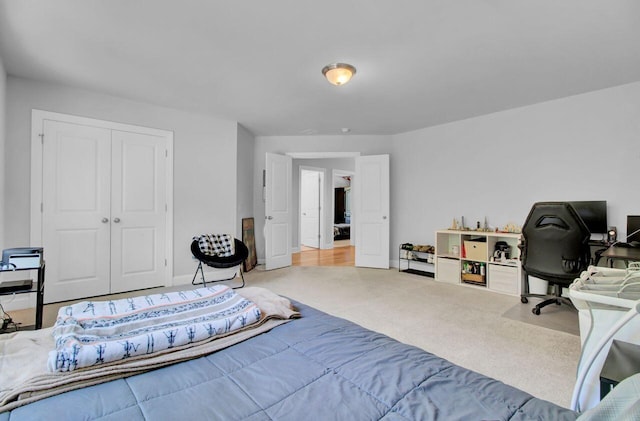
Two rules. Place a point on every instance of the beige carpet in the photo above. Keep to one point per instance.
(465, 325)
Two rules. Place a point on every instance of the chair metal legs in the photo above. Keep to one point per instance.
(204, 282)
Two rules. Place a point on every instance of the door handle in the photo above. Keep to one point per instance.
(116, 220)
(384, 217)
(105, 220)
(268, 217)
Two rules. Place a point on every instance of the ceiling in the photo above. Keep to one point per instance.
(419, 62)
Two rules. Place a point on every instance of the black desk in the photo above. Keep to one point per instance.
(39, 293)
(628, 254)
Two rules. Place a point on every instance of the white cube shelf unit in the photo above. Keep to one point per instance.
(467, 258)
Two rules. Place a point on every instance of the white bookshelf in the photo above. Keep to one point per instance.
(466, 258)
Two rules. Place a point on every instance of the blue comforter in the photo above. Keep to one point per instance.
(318, 367)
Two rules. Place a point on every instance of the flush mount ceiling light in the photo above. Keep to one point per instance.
(338, 73)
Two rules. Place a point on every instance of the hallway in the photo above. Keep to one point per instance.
(338, 256)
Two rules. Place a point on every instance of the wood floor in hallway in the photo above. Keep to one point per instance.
(338, 256)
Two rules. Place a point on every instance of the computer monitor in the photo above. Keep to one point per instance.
(594, 215)
(633, 228)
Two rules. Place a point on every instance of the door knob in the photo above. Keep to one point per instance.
(116, 220)
(269, 217)
(384, 217)
(105, 220)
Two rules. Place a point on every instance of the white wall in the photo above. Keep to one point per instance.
(245, 170)
(205, 153)
(3, 169)
(584, 147)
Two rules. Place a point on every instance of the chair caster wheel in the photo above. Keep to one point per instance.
(535, 311)
(524, 300)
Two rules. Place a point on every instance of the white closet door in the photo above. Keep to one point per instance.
(138, 210)
(75, 210)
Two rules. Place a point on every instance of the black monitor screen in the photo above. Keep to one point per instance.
(594, 215)
(633, 228)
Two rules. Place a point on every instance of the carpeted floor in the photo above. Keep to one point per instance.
(490, 333)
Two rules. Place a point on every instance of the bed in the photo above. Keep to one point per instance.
(341, 231)
(318, 364)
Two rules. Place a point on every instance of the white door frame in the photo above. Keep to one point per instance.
(37, 119)
(316, 155)
(322, 200)
(328, 155)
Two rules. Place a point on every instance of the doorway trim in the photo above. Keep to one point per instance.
(37, 122)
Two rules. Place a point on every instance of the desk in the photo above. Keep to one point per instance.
(628, 254)
(39, 293)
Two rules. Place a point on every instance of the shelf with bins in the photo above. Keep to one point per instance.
(467, 257)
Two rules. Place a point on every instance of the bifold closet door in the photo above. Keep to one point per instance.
(104, 210)
(138, 211)
(76, 205)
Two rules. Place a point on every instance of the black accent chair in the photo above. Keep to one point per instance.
(237, 259)
(555, 248)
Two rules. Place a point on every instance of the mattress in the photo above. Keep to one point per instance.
(318, 366)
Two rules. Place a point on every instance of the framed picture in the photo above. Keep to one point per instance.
(249, 239)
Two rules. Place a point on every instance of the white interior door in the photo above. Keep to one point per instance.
(75, 210)
(371, 209)
(278, 203)
(138, 211)
(101, 205)
(310, 208)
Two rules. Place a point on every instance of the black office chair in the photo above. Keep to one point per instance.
(241, 252)
(555, 248)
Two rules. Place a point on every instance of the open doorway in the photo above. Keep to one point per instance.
(342, 227)
(336, 243)
(369, 217)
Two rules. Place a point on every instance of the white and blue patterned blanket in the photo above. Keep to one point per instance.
(93, 333)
